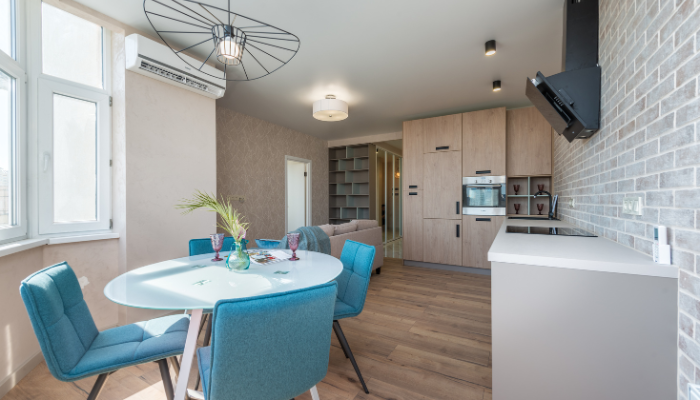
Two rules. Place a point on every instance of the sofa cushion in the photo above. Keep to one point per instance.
(328, 229)
(345, 228)
(363, 224)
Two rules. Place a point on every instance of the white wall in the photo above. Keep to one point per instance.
(170, 151)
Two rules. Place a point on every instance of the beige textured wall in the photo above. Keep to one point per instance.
(250, 163)
(96, 260)
(170, 152)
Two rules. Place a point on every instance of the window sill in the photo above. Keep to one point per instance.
(27, 244)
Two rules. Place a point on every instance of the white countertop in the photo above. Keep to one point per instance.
(574, 252)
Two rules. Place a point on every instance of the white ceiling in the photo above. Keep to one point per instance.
(391, 60)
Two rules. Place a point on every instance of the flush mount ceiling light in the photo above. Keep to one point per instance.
(496, 86)
(246, 49)
(330, 109)
(490, 47)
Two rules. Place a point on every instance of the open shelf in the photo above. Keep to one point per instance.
(352, 174)
(525, 197)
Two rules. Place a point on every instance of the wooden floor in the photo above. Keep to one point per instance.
(424, 334)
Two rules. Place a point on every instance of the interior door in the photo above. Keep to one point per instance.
(442, 196)
(296, 195)
(484, 140)
(442, 241)
(479, 233)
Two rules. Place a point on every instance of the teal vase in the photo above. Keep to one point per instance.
(238, 258)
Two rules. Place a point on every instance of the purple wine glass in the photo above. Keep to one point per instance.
(516, 188)
(517, 208)
(293, 240)
(539, 208)
(217, 242)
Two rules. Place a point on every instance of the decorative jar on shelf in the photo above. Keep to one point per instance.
(238, 259)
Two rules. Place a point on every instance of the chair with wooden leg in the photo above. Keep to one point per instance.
(275, 347)
(357, 259)
(73, 347)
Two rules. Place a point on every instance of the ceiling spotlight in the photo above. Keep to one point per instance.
(496, 86)
(330, 109)
(490, 47)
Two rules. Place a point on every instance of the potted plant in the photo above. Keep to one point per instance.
(230, 220)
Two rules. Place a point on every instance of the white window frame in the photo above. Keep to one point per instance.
(45, 86)
(14, 68)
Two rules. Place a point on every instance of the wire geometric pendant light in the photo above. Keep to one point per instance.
(246, 48)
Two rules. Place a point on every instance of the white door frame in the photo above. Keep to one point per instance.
(307, 221)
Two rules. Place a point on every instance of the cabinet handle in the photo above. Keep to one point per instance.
(485, 171)
(457, 210)
(484, 219)
(413, 186)
(442, 148)
(457, 230)
(413, 193)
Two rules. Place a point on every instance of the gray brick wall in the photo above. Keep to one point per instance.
(648, 146)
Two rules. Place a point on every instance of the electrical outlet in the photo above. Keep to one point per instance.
(572, 202)
(632, 205)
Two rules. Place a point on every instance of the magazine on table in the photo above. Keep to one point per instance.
(267, 257)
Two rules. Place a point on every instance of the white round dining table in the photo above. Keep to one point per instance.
(196, 283)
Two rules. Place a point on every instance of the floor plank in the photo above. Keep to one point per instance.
(424, 334)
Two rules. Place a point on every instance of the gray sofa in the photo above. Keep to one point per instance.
(363, 231)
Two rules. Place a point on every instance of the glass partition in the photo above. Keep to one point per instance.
(389, 195)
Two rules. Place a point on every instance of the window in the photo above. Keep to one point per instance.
(7, 27)
(73, 125)
(12, 128)
(71, 47)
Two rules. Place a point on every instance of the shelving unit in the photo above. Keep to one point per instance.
(352, 178)
(525, 197)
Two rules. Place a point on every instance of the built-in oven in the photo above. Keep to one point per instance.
(484, 195)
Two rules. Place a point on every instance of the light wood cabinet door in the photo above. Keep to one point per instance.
(442, 133)
(484, 142)
(529, 143)
(413, 225)
(479, 233)
(413, 155)
(442, 193)
(442, 241)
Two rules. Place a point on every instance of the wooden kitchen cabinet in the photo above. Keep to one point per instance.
(479, 233)
(413, 155)
(442, 193)
(442, 241)
(442, 134)
(529, 143)
(484, 142)
(413, 225)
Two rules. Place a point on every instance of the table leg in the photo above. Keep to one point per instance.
(188, 355)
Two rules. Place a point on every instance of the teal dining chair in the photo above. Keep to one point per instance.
(357, 259)
(73, 347)
(270, 347)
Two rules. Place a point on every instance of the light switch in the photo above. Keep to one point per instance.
(632, 205)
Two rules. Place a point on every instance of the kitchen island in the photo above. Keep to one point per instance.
(580, 318)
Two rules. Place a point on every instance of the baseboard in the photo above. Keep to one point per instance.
(11, 380)
(468, 270)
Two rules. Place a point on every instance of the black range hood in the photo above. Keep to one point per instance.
(570, 100)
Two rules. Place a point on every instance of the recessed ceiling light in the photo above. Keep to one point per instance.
(490, 47)
(330, 109)
(496, 86)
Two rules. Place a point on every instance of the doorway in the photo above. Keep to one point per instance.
(297, 199)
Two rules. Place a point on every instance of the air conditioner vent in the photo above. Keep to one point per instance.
(173, 76)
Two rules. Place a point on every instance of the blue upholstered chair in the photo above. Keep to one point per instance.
(73, 347)
(357, 259)
(271, 347)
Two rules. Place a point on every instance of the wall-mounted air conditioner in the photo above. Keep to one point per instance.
(157, 61)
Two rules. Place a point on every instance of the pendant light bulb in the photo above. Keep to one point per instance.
(496, 86)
